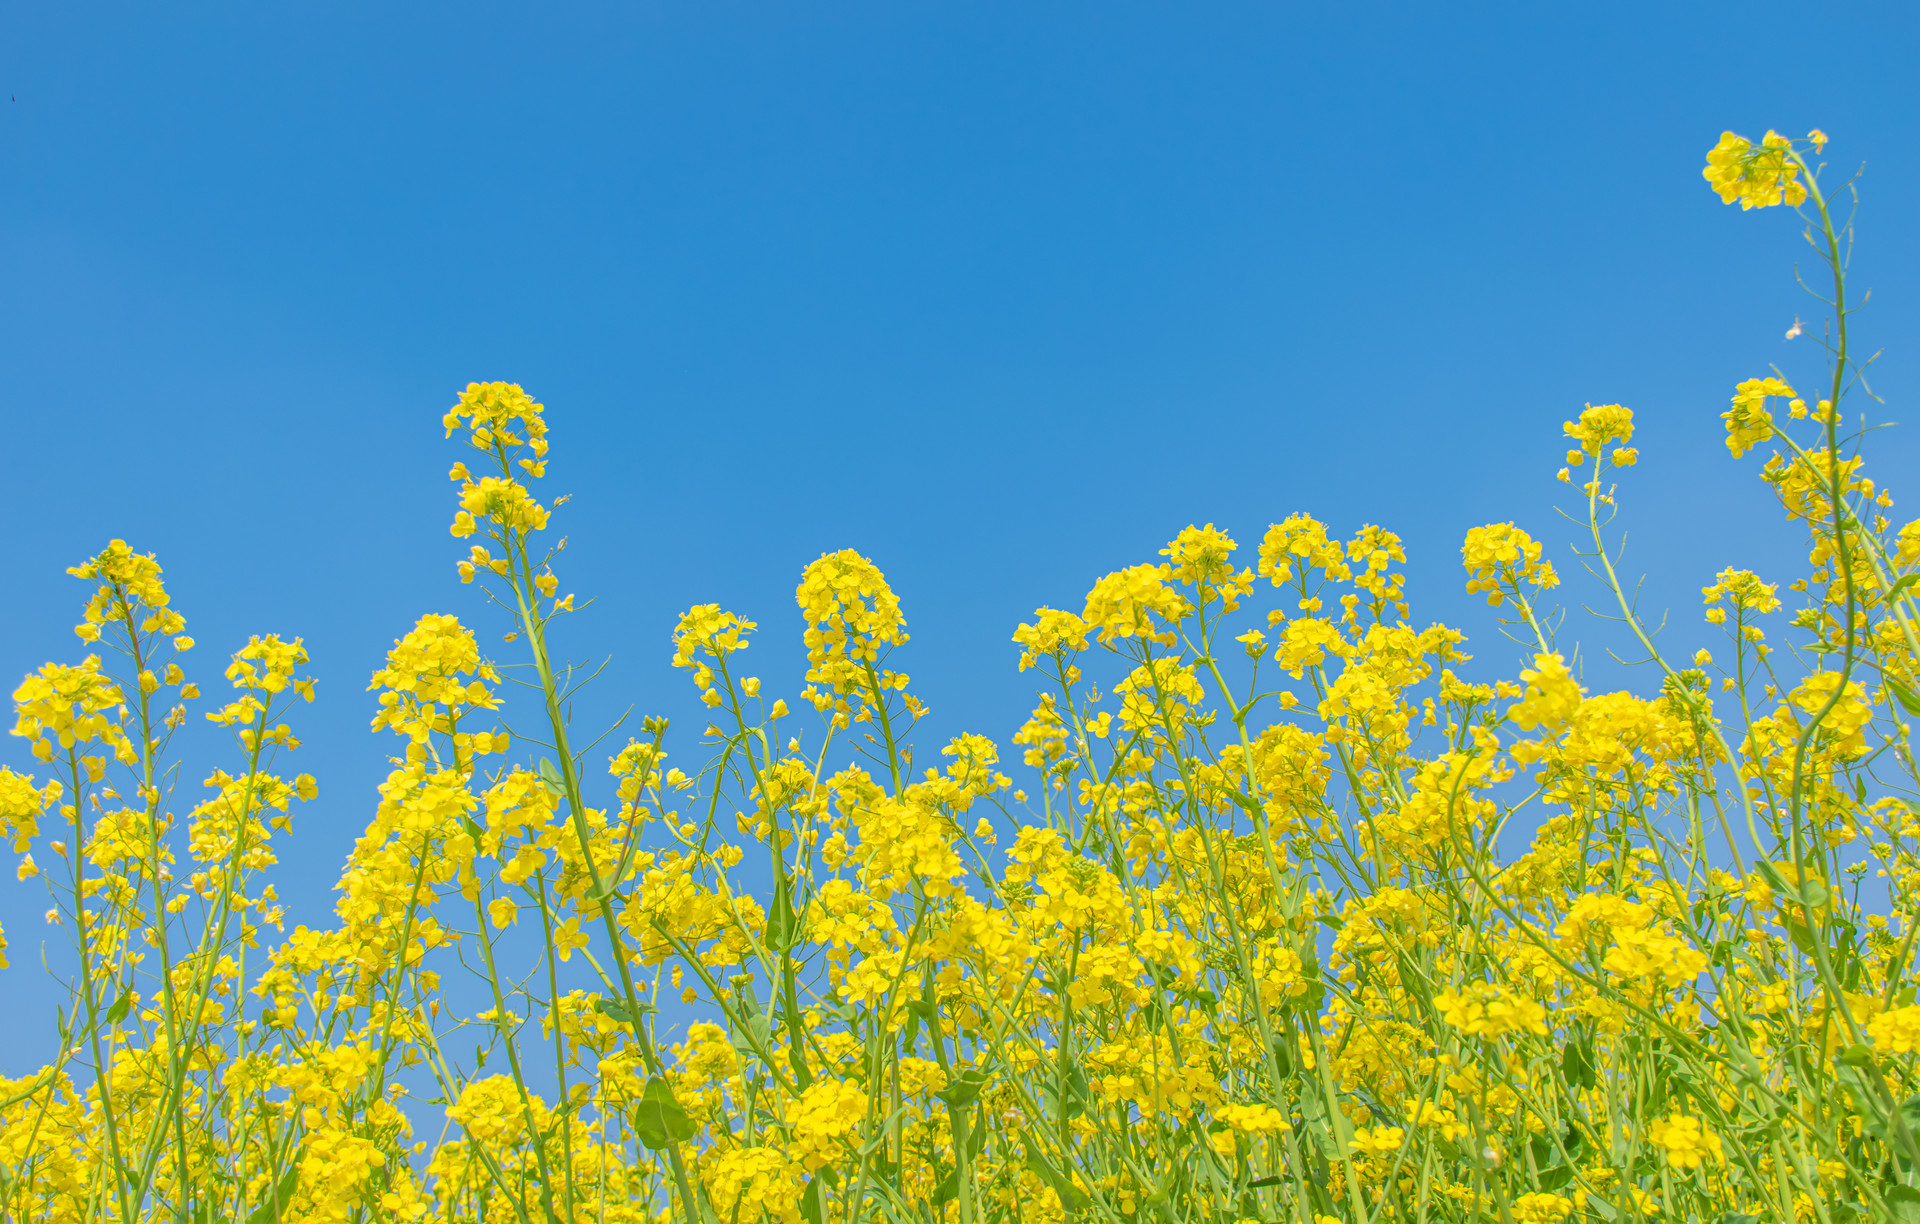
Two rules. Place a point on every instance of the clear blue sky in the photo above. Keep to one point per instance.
(1001, 295)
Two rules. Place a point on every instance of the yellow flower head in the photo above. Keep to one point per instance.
(705, 630)
(21, 804)
(1204, 556)
(433, 673)
(489, 1109)
(851, 614)
(501, 501)
(1758, 178)
(499, 415)
(1499, 556)
(1742, 589)
(1129, 602)
(1298, 546)
(71, 706)
(1200, 553)
(1484, 1009)
(1053, 633)
(1748, 421)
(1377, 1140)
(825, 1122)
(1686, 1142)
(1255, 1119)
(130, 591)
(755, 1183)
(1601, 424)
(1896, 1031)
(1552, 695)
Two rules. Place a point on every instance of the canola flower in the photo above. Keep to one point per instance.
(1257, 940)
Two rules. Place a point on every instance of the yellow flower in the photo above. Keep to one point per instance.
(1377, 1140)
(1686, 1142)
(1552, 695)
(490, 1109)
(1758, 178)
(1052, 633)
(852, 616)
(1296, 547)
(1255, 1119)
(503, 501)
(1501, 555)
(71, 707)
(1136, 601)
(747, 1183)
(1742, 589)
(21, 805)
(1896, 1031)
(1748, 421)
(825, 1120)
(568, 936)
(498, 414)
(1485, 1009)
(1599, 425)
(1541, 1209)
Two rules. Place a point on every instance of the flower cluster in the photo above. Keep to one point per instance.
(1301, 914)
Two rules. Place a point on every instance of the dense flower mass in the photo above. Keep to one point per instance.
(1757, 177)
(1298, 912)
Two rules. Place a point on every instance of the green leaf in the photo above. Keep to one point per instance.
(1576, 1063)
(965, 1088)
(1905, 1201)
(1903, 694)
(658, 1119)
(1856, 1056)
(1316, 990)
(1909, 1113)
(759, 1035)
(1801, 936)
(617, 1010)
(1067, 1099)
(1283, 1057)
(783, 924)
(1071, 1196)
(121, 1006)
(1902, 587)
(550, 777)
(1313, 1112)
(276, 1207)
(810, 1203)
(947, 1190)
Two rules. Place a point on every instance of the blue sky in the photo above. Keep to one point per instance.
(1001, 295)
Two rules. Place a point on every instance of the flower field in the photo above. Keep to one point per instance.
(1267, 913)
